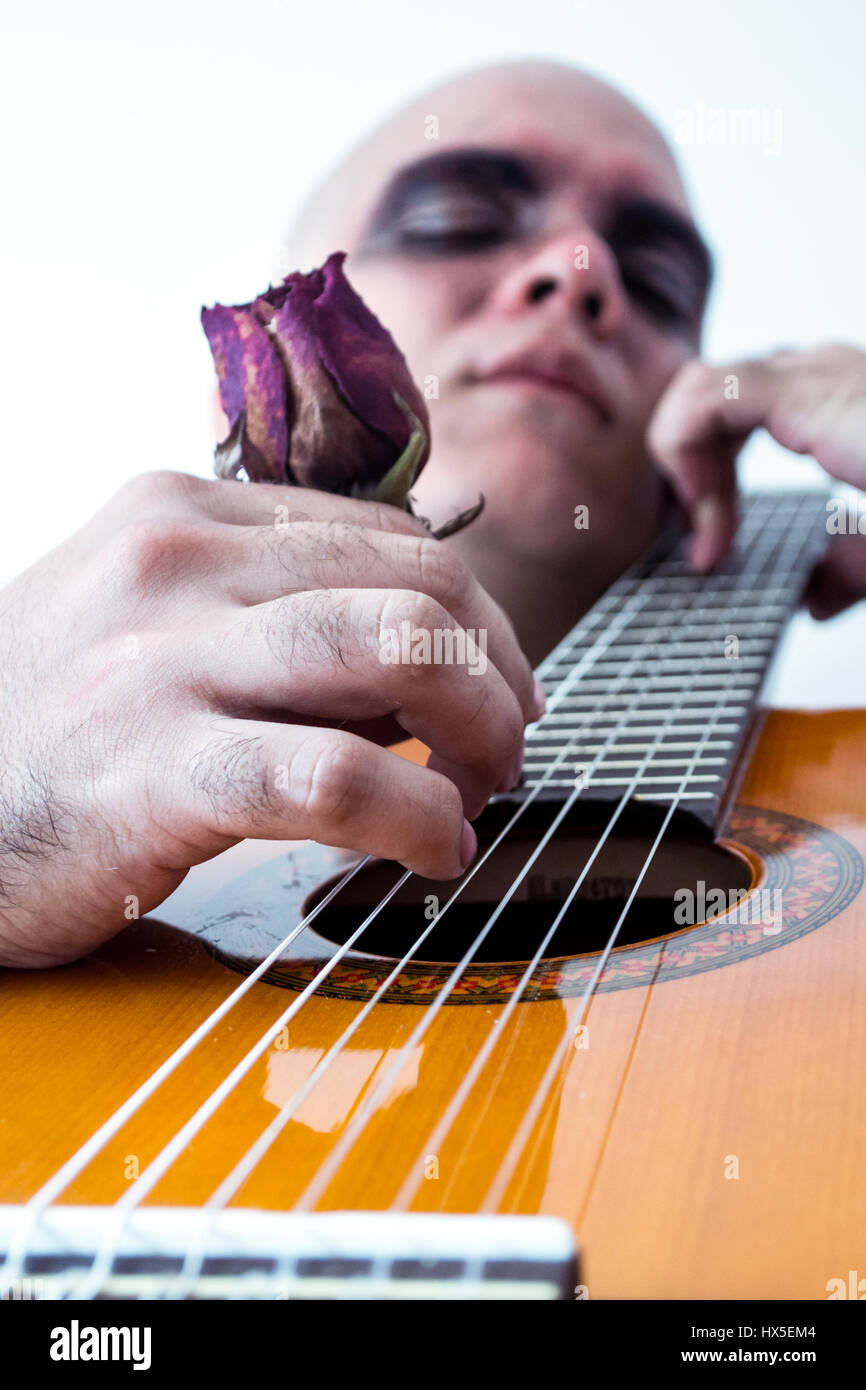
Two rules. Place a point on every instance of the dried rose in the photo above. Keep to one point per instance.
(317, 393)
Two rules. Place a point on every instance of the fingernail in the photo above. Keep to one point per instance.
(540, 699)
(468, 845)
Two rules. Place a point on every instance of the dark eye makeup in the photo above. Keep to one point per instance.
(657, 285)
(468, 201)
(663, 262)
(452, 203)
(445, 222)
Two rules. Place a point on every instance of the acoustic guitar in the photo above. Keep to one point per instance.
(620, 1058)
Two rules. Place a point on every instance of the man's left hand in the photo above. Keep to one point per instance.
(810, 402)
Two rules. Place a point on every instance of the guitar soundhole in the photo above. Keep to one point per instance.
(686, 863)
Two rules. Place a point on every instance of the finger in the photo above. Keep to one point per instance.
(273, 504)
(698, 429)
(164, 493)
(259, 564)
(839, 579)
(274, 781)
(363, 654)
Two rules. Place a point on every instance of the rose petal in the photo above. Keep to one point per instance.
(363, 358)
(328, 337)
(331, 446)
(251, 380)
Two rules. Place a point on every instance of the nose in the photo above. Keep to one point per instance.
(574, 269)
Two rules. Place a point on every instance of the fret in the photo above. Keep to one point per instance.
(562, 777)
(572, 729)
(707, 605)
(678, 681)
(531, 750)
(700, 648)
(653, 781)
(701, 621)
(610, 763)
(642, 795)
(663, 622)
(708, 697)
(642, 673)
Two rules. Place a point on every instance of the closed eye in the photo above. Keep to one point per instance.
(451, 223)
(661, 288)
(451, 203)
(664, 264)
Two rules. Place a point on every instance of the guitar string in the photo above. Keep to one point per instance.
(694, 761)
(318, 1185)
(473, 1268)
(575, 636)
(434, 1142)
(182, 1138)
(73, 1166)
(11, 1264)
(498, 1188)
(249, 1160)
(278, 1121)
(437, 1137)
(40, 1201)
(564, 684)
(163, 1160)
(517, 1149)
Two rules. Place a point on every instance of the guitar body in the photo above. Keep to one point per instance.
(704, 1135)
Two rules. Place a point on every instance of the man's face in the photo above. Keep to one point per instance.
(538, 266)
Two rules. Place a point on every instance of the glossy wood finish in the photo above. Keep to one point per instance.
(756, 1066)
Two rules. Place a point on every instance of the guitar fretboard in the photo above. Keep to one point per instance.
(654, 689)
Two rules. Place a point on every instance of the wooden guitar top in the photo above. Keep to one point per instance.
(705, 1136)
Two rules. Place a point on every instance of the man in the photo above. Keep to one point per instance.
(182, 674)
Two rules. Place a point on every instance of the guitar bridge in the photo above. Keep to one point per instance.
(191, 1253)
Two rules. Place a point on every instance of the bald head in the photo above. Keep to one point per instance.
(480, 106)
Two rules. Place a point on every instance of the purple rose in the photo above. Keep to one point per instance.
(316, 390)
(317, 393)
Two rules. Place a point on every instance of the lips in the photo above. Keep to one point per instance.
(559, 370)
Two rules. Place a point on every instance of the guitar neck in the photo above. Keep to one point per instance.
(658, 682)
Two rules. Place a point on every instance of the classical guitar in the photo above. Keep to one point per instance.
(620, 1058)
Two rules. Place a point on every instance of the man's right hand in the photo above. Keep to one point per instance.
(200, 664)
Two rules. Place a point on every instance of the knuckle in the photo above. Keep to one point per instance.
(425, 612)
(155, 486)
(836, 357)
(443, 575)
(144, 553)
(328, 781)
(422, 614)
(697, 374)
(695, 384)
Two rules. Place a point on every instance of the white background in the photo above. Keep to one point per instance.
(153, 155)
